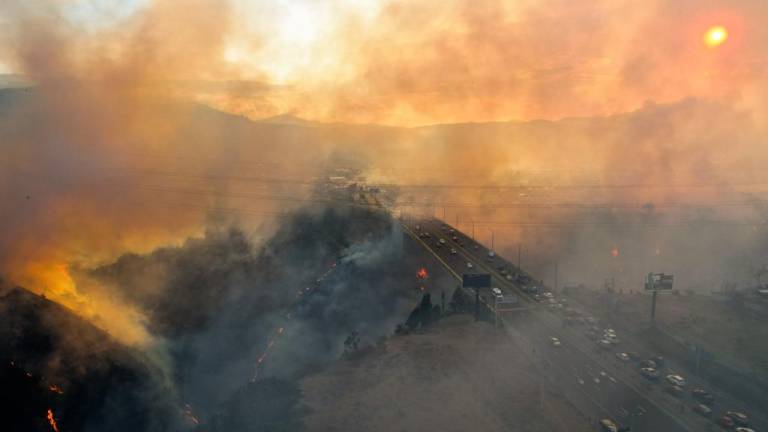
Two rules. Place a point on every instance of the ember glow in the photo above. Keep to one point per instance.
(422, 273)
(52, 420)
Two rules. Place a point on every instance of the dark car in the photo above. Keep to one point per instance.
(650, 373)
(675, 391)
(659, 360)
(740, 419)
(726, 422)
(633, 355)
(648, 364)
(702, 410)
(702, 395)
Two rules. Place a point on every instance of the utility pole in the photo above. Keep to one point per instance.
(492, 245)
(473, 230)
(656, 282)
(555, 276)
(477, 304)
(442, 302)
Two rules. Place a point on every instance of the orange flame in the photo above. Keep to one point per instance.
(52, 420)
(615, 252)
(55, 389)
(422, 273)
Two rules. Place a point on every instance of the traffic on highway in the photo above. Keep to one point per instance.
(609, 378)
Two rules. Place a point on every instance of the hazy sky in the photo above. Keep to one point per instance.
(416, 62)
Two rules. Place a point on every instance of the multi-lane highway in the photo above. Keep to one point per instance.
(599, 385)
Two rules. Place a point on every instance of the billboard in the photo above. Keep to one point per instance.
(659, 281)
(476, 280)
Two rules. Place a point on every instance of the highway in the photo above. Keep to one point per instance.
(593, 380)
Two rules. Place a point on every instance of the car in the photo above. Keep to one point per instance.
(417, 227)
(702, 395)
(491, 254)
(633, 355)
(612, 339)
(659, 361)
(496, 292)
(427, 235)
(744, 429)
(469, 265)
(508, 277)
(452, 231)
(702, 410)
(555, 341)
(739, 418)
(622, 356)
(604, 344)
(648, 364)
(454, 238)
(607, 425)
(650, 373)
(442, 241)
(675, 391)
(676, 380)
(726, 422)
(476, 247)
(548, 295)
(453, 251)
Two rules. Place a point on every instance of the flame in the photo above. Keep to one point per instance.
(422, 273)
(52, 420)
(53, 280)
(55, 389)
(615, 252)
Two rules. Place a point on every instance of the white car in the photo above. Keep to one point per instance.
(548, 295)
(623, 356)
(496, 291)
(469, 265)
(676, 380)
(453, 251)
(491, 254)
(555, 341)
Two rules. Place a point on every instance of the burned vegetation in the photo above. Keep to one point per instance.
(233, 324)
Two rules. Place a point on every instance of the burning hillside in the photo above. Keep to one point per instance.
(217, 307)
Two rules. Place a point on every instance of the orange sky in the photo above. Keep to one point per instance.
(432, 61)
(101, 67)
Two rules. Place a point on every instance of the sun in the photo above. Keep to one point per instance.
(715, 36)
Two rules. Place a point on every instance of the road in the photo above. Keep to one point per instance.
(592, 381)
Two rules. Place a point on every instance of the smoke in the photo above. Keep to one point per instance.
(218, 302)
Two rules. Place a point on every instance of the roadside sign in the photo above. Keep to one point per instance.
(658, 282)
(482, 280)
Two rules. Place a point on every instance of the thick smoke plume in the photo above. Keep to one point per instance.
(215, 304)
